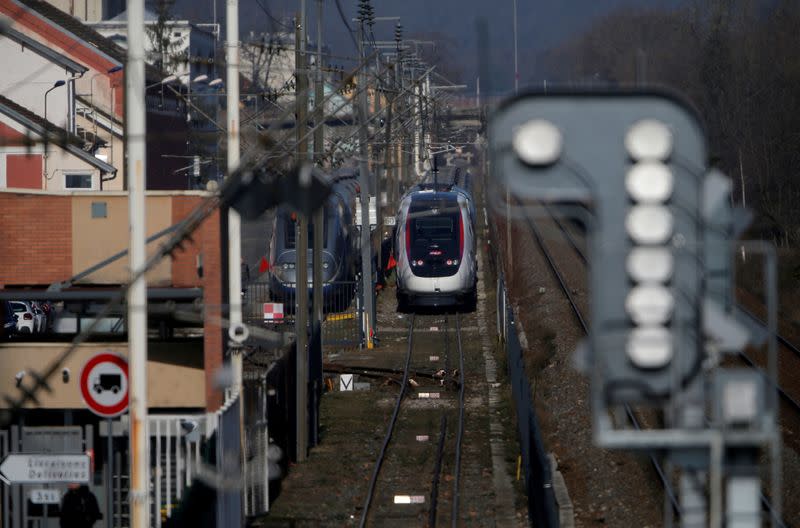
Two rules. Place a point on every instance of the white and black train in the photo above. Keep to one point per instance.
(435, 242)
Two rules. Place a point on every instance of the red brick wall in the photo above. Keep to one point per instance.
(24, 171)
(206, 241)
(36, 239)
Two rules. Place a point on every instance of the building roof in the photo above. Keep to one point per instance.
(69, 142)
(87, 34)
(45, 51)
(149, 16)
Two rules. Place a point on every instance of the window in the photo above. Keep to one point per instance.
(78, 181)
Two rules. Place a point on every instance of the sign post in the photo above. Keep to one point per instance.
(104, 387)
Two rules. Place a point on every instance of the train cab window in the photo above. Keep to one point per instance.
(438, 228)
(290, 233)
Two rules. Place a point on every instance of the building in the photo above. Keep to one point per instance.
(190, 58)
(45, 46)
(66, 246)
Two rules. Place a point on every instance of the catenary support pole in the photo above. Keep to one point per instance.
(319, 228)
(363, 170)
(301, 246)
(237, 331)
(137, 295)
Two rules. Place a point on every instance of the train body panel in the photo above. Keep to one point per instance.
(435, 243)
(340, 256)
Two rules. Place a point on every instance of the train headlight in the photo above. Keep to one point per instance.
(286, 265)
(650, 347)
(649, 139)
(325, 265)
(537, 142)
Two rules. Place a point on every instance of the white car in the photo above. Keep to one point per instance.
(26, 318)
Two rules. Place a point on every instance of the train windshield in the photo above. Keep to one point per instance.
(290, 232)
(435, 237)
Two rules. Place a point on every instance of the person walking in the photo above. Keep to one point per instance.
(79, 508)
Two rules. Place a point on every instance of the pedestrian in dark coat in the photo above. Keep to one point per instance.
(79, 508)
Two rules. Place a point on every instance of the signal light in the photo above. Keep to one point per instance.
(649, 224)
(650, 347)
(649, 182)
(538, 142)
(649, 139)
(649, 264)
(649, 304)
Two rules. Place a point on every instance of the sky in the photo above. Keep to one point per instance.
(541, 24)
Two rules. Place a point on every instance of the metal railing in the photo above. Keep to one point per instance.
(542, 507)
(342, 310)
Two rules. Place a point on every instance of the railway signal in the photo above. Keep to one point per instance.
(638, 164)
(660, 229)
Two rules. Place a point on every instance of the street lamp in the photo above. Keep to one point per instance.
(60, 82)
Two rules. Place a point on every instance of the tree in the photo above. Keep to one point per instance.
(166, 49)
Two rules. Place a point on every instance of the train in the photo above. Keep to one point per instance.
(436, 244)
(340, 257)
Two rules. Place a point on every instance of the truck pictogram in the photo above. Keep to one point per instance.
(108, 382)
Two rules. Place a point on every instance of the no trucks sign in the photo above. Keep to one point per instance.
(104, 385)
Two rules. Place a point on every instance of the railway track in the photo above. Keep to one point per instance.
(790, 401)
(790, 354)
(416, 475)
(631, 415)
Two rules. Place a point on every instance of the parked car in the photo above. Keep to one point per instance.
(26, 319)
(9, 320)
(39, 316)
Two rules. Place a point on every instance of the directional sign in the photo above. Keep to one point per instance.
(40, 469)
(45, 496)
(104, 385)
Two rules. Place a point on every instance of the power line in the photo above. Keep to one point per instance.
(346, 24)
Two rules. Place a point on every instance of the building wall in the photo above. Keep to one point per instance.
(36, 246)
(26, 167)
(65, 240)
(207, 246)
(95, 239)
(175, 373)
(27, 76)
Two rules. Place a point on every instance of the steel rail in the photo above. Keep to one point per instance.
(792, 402)
(576, 311)
(390, 430)
(460, 434)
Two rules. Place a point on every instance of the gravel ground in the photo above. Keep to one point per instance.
(612, 488)
(329, 489)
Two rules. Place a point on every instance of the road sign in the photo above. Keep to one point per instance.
(104, 385)
(45, 496)
(40, 469)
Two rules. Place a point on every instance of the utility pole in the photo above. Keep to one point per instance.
(301, 247)
(236, 331)
(363, 173)
(387, 163)
(137, 295)
(319, 227)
